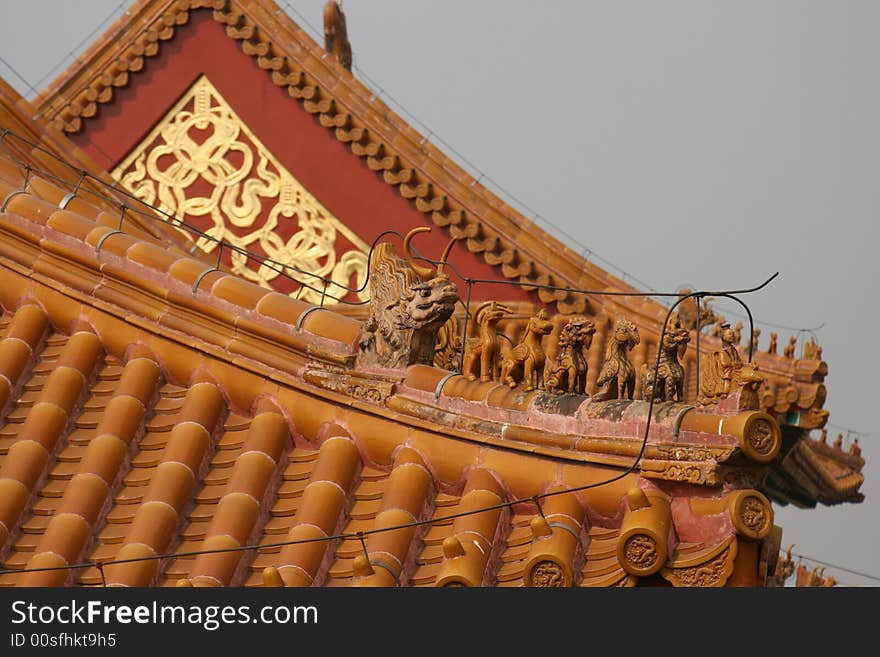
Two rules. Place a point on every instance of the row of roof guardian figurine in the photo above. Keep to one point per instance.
(411, 307)
(491, 356)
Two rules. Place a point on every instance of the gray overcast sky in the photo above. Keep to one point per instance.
(695, 143)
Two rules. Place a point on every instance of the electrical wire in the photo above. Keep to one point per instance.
(428, 521)
(838, 567)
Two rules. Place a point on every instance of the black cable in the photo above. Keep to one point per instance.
(428, 521)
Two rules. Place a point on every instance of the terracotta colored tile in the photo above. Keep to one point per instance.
(14, 357)
(14, 495)
(281, 307)
(268, 434)
(379, 437)
(423, 377)
(25, 463)
(407, 488)
(236, 515)
(216, 569)
(203, 405)
(82, 352)
(62, 470)
(66, 535)
(35, 209)
(46, 577)
(70, 223)
(85, 495)
(122, 417)
(307, 424)
(135, 573)
(139, 379)
(139, 476)
(117, 243)
(187, 270)
(332, 326)
(251, 474)
(210, 494)
(239, 292)
(306, 557)
(146, 460)
(286, 507)
(151, 256)
(44, 423)
(338, 462)
(103, 457)
(154, 524)
(63, 387)
(172, 483)
(322, 502)
(291, 489)
(28, 324)
(187, 444)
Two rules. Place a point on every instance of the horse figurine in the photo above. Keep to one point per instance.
(483, 351)
(569, 371)
(669, 385)
(525, 362)
(617, 377)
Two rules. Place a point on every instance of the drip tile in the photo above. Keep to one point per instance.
(202, 512)
(113, 534)
(236, 422)
(365, 509)
(104, 552)
(89, 419)
(72, 453)
(110, 373)
(168, 405)
(146, 459)
(81, 436)
(63, 470)
(131, 495)
(443, 499)
(121, 514)
(299, 455)
(285, 507)
(54, 488)
(370, 490)
(225, 458)
(278, 525)
(36, 382)
(172, 391)
(210, 494)
(46, 506)
(290, 489)
(36, 524)
(425, 575)
(139, 476)
(372, 474)
(232, 439)
(154, 440)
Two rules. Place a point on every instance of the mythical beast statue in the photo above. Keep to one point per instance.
(408, 305)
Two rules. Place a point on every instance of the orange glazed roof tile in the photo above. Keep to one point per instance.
(452, 199)
(132, 401)
(153, 405)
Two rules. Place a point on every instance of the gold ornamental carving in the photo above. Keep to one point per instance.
(713, 573)
(752, 515)
(641, 553)
(761, 437)
(202, 161)
(548, 574)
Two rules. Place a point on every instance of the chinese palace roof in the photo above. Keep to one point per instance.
(167, 419)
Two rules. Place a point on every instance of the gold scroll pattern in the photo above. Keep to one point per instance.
(202, 164)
